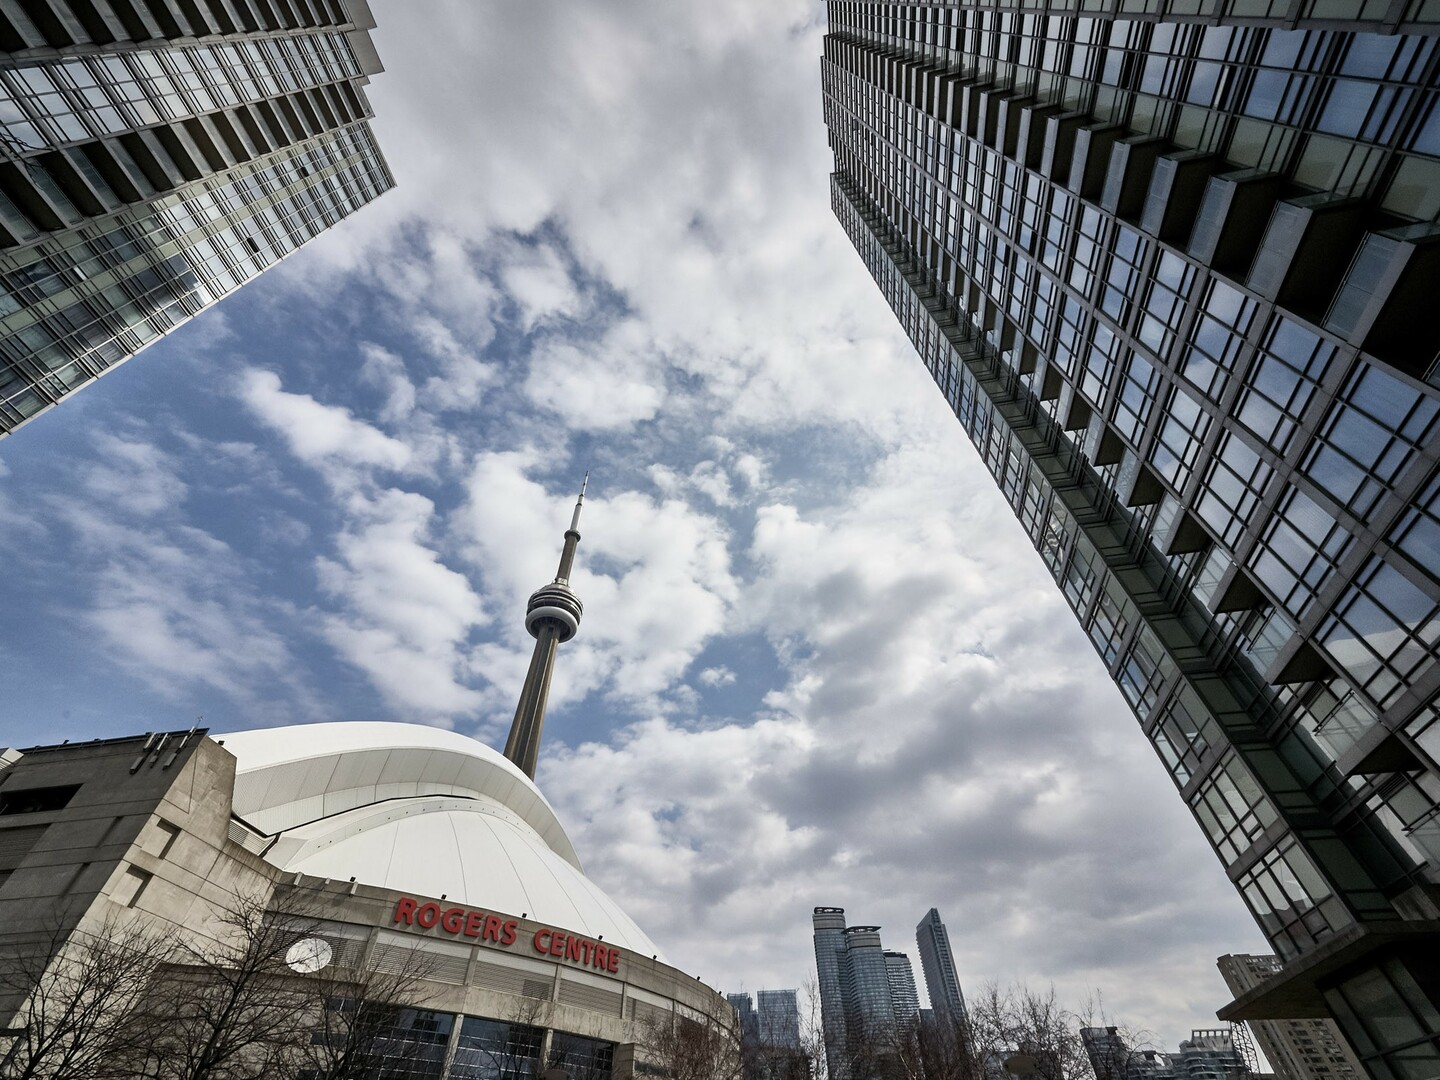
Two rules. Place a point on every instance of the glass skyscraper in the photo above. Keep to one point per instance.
(779, 1018)
(1172, 263)
(866, 993)
(904, 998)
(937, 963)
(157, 154)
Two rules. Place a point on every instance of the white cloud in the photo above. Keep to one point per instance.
(406, 616)
(605, 385)
(538, 280)
(901, 766)
(319, 434)
(386, 372)
(136, 475)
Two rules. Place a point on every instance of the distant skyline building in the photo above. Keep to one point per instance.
(829, 935)
(904, 998)
(778, 1013)
(745, 1013)
(937, 963)
(865, 984)
(1209, 1054)
(1173, 264)
(1296, 1049)
(865, 991)
(770, 1035)
(156, 156)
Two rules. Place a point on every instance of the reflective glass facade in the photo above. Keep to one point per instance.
(156, 156)
(1171, 262)
(866, 992)
(426, 1044)
(779, 1018)
(904, 998)
(937, 962)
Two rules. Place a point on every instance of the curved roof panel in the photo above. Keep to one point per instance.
(290, 776)
(419, 810)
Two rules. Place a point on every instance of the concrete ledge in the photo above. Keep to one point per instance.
(1296, 992)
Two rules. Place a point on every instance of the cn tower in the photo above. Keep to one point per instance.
(552, 616)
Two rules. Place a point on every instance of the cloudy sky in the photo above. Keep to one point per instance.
(820, 662)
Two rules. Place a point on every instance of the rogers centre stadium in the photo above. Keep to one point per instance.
(387, 842)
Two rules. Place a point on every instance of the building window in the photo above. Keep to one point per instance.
(1144, 672)
(1081, 575)
(1369, 438)
(1181, 438)
(37, 800)
(1385, 1010)
(1114, 614)
(1383, 631)
(582, 1058)
(1099, 364)
(1165, 302)
(1089, 246)
(1233, 489)
(1232, 809)
(1288, 368)
(496, 1050)
(414, 1045)
(1122, 283)
(1137, 398)
(1217, 339)
(1295, 906)
(1184, 734)
(1417, 533)
(1298, 552)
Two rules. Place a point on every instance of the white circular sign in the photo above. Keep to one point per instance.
(309, 955)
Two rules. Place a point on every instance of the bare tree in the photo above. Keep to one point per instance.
(1026, 1033)
(1006, 1032)
(355, 1013)
(812, 1031)
(690, 1049)
(227, 1009)
(77, 994)
(936, 1049)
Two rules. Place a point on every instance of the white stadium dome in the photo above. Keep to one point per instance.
(423, 811)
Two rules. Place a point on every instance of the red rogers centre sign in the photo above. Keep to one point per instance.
(498, 930)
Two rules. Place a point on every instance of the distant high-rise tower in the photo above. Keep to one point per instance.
(937, 963)
(1173, 263)
(1296, 1049)
(865, 984)
(829, 924)
(745, 1012)
(779, 1018)
(866, 993)
(156, 156)
(904, 998)
(770, 1035)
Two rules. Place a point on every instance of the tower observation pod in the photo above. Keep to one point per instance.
(552, 616)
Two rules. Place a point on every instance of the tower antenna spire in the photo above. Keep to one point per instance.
(552, 616)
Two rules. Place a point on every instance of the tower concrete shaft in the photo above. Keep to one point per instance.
(552, 616)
